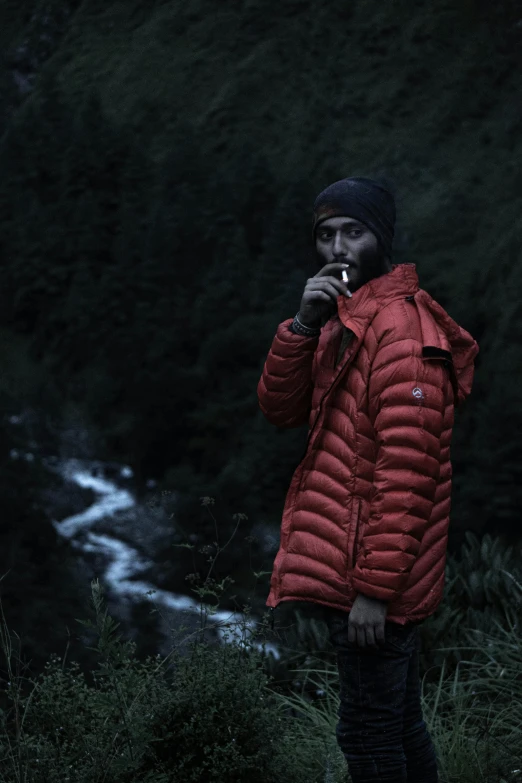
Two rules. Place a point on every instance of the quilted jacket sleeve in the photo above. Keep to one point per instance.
(285, 388)
(406, 401)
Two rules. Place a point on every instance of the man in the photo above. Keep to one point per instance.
(375, 367)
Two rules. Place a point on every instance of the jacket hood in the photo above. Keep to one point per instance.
(441, 335)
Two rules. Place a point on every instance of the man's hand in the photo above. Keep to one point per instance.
(366, 622)
(321, 294)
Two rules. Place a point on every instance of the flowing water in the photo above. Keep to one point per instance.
(121, 537)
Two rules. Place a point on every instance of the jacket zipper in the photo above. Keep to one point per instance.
(327, 392)
(357, 514)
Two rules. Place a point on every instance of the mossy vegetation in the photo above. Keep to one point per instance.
(230, 711)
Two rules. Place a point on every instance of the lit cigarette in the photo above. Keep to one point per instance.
(345, 280)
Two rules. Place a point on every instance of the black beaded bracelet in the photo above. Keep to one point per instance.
(306, 331)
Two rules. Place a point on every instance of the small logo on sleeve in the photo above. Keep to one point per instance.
(418, 393)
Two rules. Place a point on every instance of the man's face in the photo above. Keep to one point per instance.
(347, 240)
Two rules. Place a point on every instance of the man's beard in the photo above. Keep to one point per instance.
(372, 265)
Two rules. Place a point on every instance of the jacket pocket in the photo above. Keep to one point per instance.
(353, 532)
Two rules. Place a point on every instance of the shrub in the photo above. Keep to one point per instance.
(203, 714)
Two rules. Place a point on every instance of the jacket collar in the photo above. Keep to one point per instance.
(359, 310)
(438, 330)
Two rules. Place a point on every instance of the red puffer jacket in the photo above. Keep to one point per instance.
(368, 507)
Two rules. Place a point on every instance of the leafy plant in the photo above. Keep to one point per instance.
(206, 713)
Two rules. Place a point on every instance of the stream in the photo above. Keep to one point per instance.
(121, 537)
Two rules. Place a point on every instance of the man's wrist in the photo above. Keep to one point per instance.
(308, 324)
(298, 328)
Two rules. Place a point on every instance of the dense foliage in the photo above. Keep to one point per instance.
(212, 713)
(208, 716)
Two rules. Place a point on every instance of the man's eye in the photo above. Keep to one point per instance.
(354, 232)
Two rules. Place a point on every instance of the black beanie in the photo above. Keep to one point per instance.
(361, 199)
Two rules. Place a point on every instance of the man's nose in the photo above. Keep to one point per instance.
(338, 249)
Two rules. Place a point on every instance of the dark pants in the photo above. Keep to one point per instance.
(381, 731)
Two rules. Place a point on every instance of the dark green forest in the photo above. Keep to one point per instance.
(159, 163)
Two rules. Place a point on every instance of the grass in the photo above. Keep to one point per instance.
(213, 712)
(474, 716)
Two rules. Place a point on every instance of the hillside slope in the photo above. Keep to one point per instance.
(241, 112)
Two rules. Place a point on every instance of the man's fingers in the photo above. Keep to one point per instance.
(370, 636)
(380, 636)
(318, 282)
(330, 289)
(334, 265)
(330, 284)
(366, 636)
